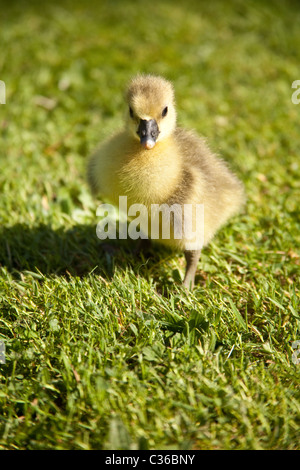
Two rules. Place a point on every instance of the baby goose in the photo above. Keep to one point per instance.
(153, 162)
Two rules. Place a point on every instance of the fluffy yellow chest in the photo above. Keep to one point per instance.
(149, 176)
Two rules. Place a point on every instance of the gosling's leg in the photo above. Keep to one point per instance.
(192, 258)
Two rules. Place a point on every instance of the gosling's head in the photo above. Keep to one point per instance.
(151, 115)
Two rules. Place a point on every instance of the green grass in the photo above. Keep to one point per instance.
(107, 351)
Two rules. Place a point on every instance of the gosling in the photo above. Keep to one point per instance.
(155, 163)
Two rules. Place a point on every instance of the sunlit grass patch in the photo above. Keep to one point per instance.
(105, 350)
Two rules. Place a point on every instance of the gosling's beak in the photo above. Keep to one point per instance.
(148, 133)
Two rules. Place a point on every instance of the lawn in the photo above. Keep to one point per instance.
(104, 349)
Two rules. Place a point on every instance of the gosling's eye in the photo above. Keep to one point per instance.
(165, 111)
(130, 112)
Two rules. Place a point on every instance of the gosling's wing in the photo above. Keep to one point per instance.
(215, 185)
(214, 170)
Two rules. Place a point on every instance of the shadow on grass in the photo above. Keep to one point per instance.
(76, 251)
